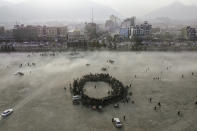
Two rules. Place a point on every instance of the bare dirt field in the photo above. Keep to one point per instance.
(40, 102)
(97, 89)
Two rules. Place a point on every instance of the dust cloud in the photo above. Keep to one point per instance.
(41, 103)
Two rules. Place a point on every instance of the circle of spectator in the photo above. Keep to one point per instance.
(119, 91)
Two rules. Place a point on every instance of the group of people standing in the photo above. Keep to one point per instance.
(119, 91)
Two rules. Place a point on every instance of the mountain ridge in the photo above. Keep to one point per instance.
(33, 11)
(176, 10)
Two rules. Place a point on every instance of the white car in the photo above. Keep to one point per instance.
(77, 97)
(7, 112)
(117, 122)
(19, 74)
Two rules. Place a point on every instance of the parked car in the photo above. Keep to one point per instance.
(77, 97)
(116, 105)
(117, 122)
(19, 74)
(94, 107)
(7, 113)
(100, 108)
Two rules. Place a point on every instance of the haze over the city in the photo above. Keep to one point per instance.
(98, 65)
(80, 10)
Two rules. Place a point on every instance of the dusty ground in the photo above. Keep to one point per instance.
(97, 89)
(41, 104)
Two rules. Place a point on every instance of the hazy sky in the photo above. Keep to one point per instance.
(125, 7)
(140, 7)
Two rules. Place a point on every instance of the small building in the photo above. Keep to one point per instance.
(53, 33)
(34, 33)
(76, 40)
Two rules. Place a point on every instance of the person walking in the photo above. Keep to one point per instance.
(179, 113)
(150, 100)
(159, 104)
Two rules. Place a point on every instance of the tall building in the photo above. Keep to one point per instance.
(146, 28)
(141, 30)
(113, 24)
(126, 26)
(191, 33)
(2, 30)
(127, 23)
(91, 31)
